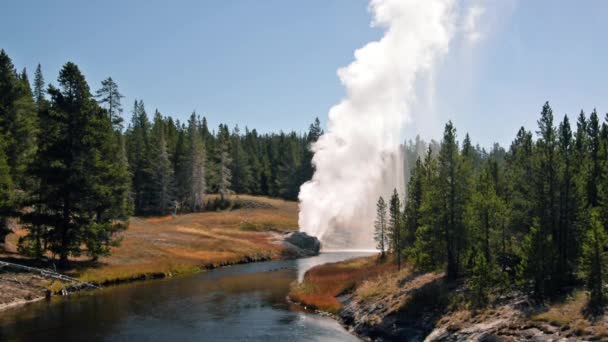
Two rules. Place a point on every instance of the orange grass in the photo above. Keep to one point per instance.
(169, 245)
(322, 284)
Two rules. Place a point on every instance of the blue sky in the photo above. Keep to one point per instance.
(271, 64)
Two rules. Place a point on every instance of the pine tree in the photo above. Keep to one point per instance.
(594, 260)
(314, 133)
(411, 212)
(451, 199)
(536, 265)
(520, 194)
(287, 175)
(481, 279)
(224, 162)
(428, 250)
(78, 177)
(240, 170)
(109, 96)
(138, 153)
(395, 226)
(18, 121)
(484, 217)
(380, 227)
(594, 168)
(6, 192)
(546, 161)
(39, 87)
(567, 238)
(163, 189)
(180, 169)
(196, 166)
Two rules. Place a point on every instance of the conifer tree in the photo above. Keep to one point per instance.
(196, 166)
(567, 238)
(78, 177)
(224, 162)
(6, 192)
(138, 153)
(314, 133)
(520, 194)
(451, 199)
(39, 87)
(163, 197)
(594, 168)
(240, 170)
(380, 227)
(428, 250)
(594, 260)
(109, 97)
(546, 161)
(395, 227)
(18, 121)
(411, 212)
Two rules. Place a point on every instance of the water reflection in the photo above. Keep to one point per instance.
(245, 302)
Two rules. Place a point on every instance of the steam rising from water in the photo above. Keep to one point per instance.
(358, 159)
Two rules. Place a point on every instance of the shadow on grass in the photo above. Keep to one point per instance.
(47, 263)
(594, 313)
(419, 315)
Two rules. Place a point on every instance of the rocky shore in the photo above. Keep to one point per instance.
(402, 305)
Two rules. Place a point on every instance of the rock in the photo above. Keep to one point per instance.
(310, 245)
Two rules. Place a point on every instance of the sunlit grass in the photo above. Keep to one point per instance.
(172, 245)
(323, 283)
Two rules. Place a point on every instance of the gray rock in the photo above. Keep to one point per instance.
(305, 242)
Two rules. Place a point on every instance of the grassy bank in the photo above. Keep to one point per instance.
(322, 284)
(155, 247)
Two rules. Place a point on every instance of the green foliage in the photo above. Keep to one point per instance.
(481, 279)
(395, 227)
(515, 217)
(411, 211)
(537, 262)
(6, 192)
(79, 176)
(451, 195)
(380, 226)
(594, 259)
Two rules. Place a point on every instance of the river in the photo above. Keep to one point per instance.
(238, 303)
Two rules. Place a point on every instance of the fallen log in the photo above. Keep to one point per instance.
(48, 274)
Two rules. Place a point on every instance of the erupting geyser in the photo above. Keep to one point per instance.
(358, 158)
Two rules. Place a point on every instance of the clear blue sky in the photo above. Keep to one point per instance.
(271, 64)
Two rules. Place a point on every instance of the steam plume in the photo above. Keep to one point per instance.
(358, 158)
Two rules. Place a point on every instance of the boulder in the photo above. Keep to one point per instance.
(309, 245)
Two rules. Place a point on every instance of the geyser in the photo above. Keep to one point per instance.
(358, 158)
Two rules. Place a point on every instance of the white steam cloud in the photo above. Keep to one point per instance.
(358, 158)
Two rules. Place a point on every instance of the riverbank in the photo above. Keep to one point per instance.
(158, 247)
(375, 301)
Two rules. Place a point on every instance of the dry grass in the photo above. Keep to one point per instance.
(570, 315)
(168, 245)
(384, 284)
(323, 283)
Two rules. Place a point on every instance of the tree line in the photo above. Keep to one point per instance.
(532, 217)
(72, 173)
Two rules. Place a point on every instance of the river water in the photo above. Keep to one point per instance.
(238, 303)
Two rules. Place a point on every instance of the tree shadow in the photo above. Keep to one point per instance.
(51, 264)
(419, 314)
(594, 313)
